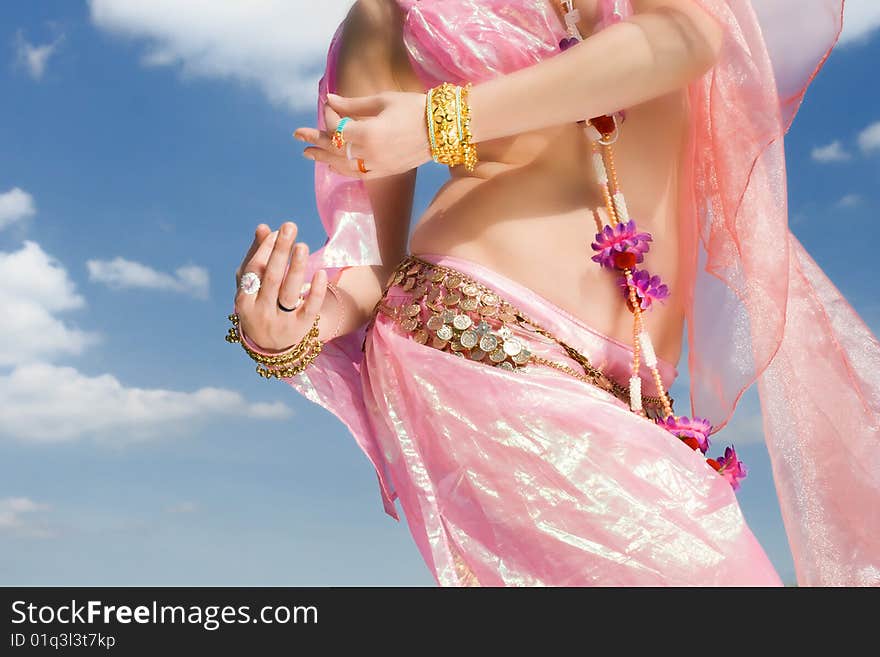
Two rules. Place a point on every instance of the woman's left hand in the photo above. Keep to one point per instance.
(388, 132)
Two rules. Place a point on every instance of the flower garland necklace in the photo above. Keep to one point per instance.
(620, 246)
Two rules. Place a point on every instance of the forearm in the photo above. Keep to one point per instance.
(646, 56)
(358, 288)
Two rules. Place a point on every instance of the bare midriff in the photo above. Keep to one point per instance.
(529, 211)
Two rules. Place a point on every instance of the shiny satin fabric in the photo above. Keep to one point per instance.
(758, 307)
(537, 478)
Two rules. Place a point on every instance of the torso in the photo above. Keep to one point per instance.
(529, 211)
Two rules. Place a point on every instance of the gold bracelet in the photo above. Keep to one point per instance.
(468, 146)
(285, 364)
(448, 116)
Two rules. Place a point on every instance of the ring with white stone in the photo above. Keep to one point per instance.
(250, 283)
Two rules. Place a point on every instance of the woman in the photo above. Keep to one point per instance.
(562, 461)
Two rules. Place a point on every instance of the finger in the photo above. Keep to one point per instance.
(331, 118)
(259, 235)
(317, 291)
(318, 138)
(277, 264)
(338, 162)
(257, 264)
(355, 106)
(291, 288)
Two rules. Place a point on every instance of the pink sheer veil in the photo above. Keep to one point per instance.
(759, 309)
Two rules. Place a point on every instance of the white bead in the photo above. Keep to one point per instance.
(592, 133)
(647, 349)
(620, 206)
(572, 18)
(635, 393)
(599, 165)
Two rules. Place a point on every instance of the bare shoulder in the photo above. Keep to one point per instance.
(372, 54)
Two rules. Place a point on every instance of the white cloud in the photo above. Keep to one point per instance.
(15, 205)
(15, 520)
(869, 138)
(33, 58)
(46, 403)
(43, 402)
(279, 45)
(120, 273)
(849, 201)
(34, 288)
(861, 18)
(833, 152)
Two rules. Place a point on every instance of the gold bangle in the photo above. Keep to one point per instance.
(448, 116)
(287, 363)
(468, 146)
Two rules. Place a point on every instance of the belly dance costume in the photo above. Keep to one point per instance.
(527, 448)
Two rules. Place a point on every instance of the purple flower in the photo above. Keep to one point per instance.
(648, 288)
(695, 432)
(567, 43)
(622, 238)
(732, 468)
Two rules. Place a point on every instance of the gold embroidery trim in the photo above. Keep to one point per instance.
(471, 320)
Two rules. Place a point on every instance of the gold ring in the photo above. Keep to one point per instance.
(362, 167)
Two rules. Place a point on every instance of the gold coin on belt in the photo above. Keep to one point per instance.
(434, 322)
(469, 338)
(461, 322)
(452, 281)
(497, 356)
(488, 342)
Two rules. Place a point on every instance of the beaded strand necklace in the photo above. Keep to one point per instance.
(620, 246)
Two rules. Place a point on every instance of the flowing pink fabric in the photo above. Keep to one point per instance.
(758, 307)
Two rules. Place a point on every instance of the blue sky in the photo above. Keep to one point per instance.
(138, 148)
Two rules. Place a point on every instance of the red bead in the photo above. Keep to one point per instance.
(604, 124)
(624, 259)
(691, 442)
(715, 464)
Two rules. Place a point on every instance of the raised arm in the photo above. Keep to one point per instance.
(662, 47)
(369, 62)
(372, 60)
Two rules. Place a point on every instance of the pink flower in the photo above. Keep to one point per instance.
(695, 432)
(622, 238)
(731, 468)
(648, 288)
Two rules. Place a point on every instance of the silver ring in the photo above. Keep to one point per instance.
(298, 303)
(348, 150)
(250, 283)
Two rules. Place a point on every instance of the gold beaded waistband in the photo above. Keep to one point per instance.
(444, 308)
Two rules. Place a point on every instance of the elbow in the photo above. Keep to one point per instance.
(683, 27)
(703, 33)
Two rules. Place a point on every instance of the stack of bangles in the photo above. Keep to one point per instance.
(293, 360)
(449, 125)
(448, 118)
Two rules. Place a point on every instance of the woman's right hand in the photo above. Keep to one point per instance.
(260, 317)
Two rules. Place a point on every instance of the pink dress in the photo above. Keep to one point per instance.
(538, 478)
